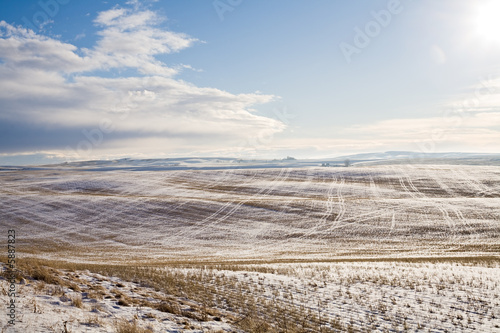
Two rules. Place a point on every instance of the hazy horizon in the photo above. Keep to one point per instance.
(388, 156)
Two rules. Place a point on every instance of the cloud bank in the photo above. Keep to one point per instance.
(54, 94)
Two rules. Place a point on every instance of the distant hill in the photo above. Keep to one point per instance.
(404, 157)
(214, 163)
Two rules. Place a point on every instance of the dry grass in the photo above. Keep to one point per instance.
(93, 320)
(169, 307)
(245, 302)
(43, 273)
(77, 301)
(124, 326)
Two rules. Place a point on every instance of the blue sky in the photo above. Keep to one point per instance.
(109, 79)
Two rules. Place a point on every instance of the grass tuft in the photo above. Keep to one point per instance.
(77, 301)
(124, 326)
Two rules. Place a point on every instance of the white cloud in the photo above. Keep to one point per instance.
(109, 16)
(481, 97)
(131, 39)
(80, 36)
(22, 49)
(466, 132)
(51, 83)
(470, 121)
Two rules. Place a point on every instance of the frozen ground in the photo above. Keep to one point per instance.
(377, 296)
(364, 296)
(312, 212)
(291, 248)
(89, 302)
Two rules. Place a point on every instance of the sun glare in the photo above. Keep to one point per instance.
(488, 20)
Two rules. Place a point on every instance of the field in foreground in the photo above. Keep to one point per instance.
(316, 249)
(363, 296)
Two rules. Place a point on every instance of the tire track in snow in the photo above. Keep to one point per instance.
(353, 222)
(38, 209)
(341, 199)
(145, 205)
(342, 207)
(480, 189)
(380, 197)
(329, 201)
(281, 179)
(432, 173)
(376, 193)
(229, 203)
(329, 210)
(216, 183)
(203, 226)
(270, 246)
(341, 204)
(416, 194)
(356, 221)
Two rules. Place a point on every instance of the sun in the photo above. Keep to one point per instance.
(488, 20)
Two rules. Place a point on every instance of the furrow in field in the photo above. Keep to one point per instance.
(207, 227)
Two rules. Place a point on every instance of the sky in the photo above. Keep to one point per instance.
(82, 80)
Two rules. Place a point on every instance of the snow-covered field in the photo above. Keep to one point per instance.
(315, 213)
(376, 296)
(373, 296)
(364, 296)
(311, 249)
(89, 302)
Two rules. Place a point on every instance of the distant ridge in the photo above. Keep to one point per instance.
(214, 163)
(410, 154)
